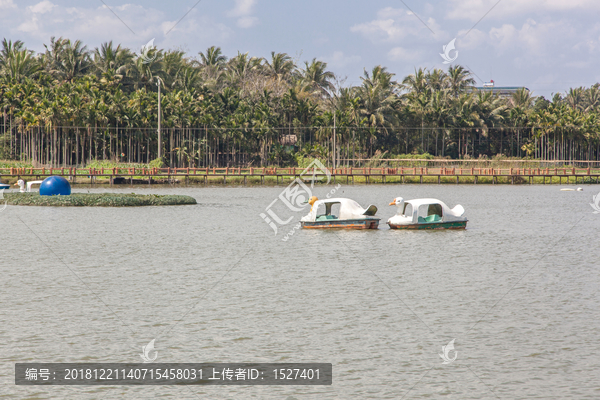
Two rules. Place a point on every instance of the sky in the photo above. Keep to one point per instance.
(547, 46)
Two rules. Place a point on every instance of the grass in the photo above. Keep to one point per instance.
(14, 164)
(97, 200)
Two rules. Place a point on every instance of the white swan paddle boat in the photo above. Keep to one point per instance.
(21, 184)
(350, 215)
(426, 214)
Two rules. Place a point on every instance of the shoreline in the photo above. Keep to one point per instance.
(284, 176)
(284, 181)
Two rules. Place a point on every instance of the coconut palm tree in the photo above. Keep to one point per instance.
(112, 63)
(65, 60)
(281, 66)
(316, 79)
(459, 80)
(19, 65)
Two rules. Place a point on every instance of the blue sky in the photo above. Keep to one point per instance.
(545, 45)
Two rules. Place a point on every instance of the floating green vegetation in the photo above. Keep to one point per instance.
(97, 200)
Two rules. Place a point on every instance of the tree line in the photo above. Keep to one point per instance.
(70, 105)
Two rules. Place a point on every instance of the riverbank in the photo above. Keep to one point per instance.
(97, 200)
(233, 181)
(277, 176)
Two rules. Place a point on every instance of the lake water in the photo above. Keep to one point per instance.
(518, 291)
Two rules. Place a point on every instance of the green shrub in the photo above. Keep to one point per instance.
(304, 162)
(97, 200)
(157, 163)
(14, 164)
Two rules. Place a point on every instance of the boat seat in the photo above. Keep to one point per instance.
(430, 218)
(325, 217)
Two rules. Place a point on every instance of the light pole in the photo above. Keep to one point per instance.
(159, 131)
(334, 144)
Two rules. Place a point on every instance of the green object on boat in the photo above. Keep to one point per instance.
(325, 217)
(430, 219)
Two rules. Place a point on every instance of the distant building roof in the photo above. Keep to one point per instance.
(502, 91)
(500, 87)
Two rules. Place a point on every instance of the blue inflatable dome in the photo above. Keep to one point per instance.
(55, 185)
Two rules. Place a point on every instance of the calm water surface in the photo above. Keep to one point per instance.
(518, 290)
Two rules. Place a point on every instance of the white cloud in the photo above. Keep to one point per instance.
(537, 40)
(476, 9)
(242, 8)
(339, 60)
(474, 39)
(30, 26)
(42, 7)
(243, 12)
(504, 36)
(7, 4)
(393, 25)
(579, 64)
(247, 22)
(402, 54)
(541, 45)
(380, 30)
(98, 24)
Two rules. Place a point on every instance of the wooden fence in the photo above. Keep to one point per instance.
(369, 174)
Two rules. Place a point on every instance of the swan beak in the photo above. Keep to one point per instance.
(393, 203)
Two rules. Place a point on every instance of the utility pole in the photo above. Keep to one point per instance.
(334, 148)
(159, 131)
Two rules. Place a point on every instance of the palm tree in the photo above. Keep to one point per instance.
(19, 65)
(522, 98)
(281, 66)
(416, 83)
(592, 98)
(144, 71)
(8, 49)
(67, 106)
(378, 95)
(575, 98)
(112, 63)
(316, 79)
(459, 80)
(213, 57)
(241, 66)
(66, 60)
